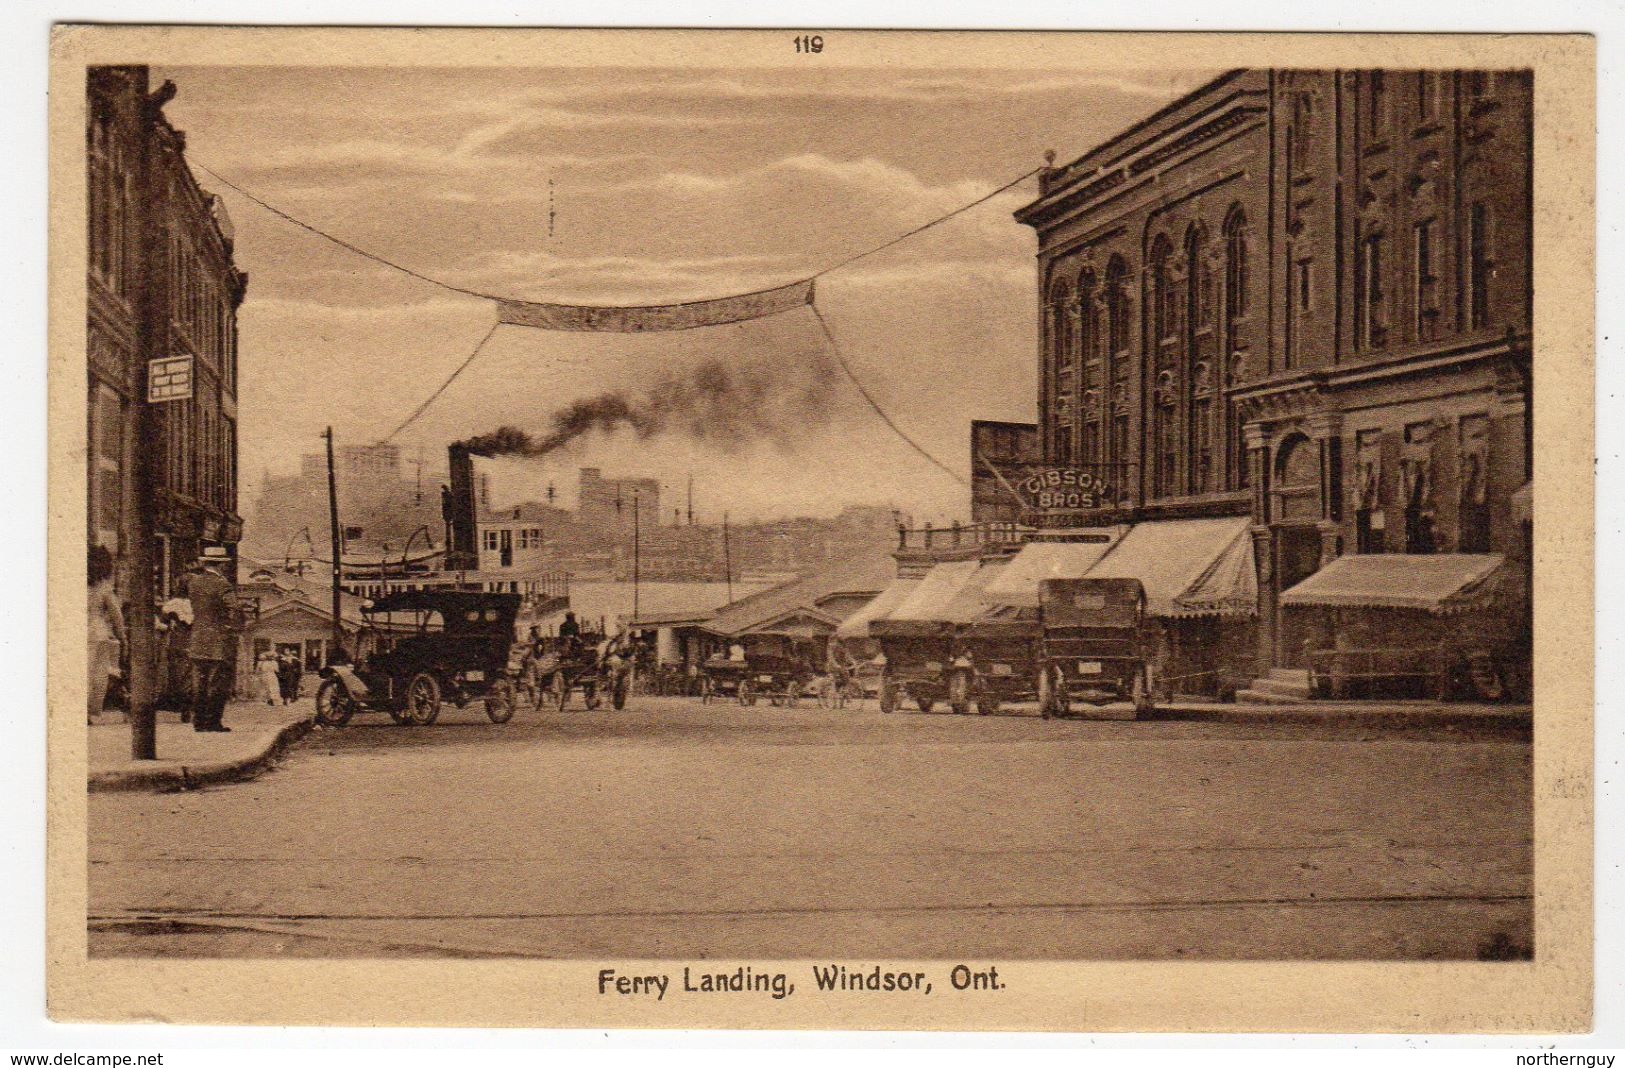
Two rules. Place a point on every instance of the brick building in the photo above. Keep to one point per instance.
(161, 283)
(1302, 299)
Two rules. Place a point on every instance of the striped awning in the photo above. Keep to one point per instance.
(856, 625)
(1441, 583)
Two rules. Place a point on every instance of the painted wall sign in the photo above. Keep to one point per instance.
(169, 379)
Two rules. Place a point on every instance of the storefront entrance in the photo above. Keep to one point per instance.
(1297, 556)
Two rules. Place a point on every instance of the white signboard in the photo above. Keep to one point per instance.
(169, 379)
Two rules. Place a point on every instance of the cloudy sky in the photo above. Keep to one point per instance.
(667, 185)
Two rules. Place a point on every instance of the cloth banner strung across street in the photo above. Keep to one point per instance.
(686, 316)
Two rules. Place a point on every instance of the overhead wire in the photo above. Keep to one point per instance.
(822, 323)
(840, 357)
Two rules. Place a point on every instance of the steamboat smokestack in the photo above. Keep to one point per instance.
(462, 553)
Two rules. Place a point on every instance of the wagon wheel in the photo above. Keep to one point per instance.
(617, 694)
(925, 704)
(888, 696)
(790, 695)
(561, 690)
(589, 692)
(334, 705)
(747, 692)
(500, 701)
(422, 700)
(959, 692)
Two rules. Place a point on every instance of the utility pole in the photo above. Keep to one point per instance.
(691, 498)
(727, 559)
(636, 552)
(151, 343)
(337, 539)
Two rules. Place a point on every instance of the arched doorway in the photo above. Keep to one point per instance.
(1295, 517)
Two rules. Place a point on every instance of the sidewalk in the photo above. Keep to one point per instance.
(1393, 714)
(259, 733)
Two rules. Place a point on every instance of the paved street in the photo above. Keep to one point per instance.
(674, 829)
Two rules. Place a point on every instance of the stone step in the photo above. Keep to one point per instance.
(1266, 697)
(1286, 687)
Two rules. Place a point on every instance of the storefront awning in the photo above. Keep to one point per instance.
(1172, 558)
(1230, 586)
(1017, 585)
(929, 601)
(856, 625)
(971, 602)
(1438, 582)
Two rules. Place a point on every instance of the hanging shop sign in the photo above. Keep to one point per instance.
(169, 379)
(1054, 490)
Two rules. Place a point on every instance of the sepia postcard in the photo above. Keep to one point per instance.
(821, 529)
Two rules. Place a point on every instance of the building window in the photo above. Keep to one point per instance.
(106, 484)
(1202, 438)
(1427, 97)
(1200, 278)
(1424, 259)
(1241, 470)
(1416, 480)
(1370, 522)
(1235, 265)
(1303, 124)
(1372, 320)
(1162, 291)
(1165, 437)
(1120, 453)
(1474, 464)
(1479, 267)
(1117, 313)
(490, 539)
(1377, 99)
(1091, 444)
(1063, 443)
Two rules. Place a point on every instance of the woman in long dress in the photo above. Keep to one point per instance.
(266, 677)
(106, 626)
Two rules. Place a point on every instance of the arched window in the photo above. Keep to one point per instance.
(1202, 404)
(1199, 278)
(1059, 317)
(1297, 480)
(1162, 295)
(1088, 330)
(1117, 313)
(1236, 240)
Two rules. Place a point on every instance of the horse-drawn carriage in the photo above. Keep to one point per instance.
(583, 664)
(420, 648)
(775, 668)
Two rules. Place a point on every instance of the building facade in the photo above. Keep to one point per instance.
(1302, 297)
(161, 283)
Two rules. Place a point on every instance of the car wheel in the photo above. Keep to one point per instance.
(334, 705)
(888, 697)
(925, 704)
(500, 701)
(617, 696)
(422, 699)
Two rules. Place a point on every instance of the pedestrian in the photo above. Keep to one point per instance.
(289, 673)
(569, 634)
(215, 621)
(267, 677)
(106, 627)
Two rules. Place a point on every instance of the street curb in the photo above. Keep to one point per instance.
(1513, 719)
(191, 776)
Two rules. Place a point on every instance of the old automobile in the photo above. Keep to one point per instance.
(420, 649)
(1095, 646)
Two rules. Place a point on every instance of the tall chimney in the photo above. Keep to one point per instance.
(462, 554)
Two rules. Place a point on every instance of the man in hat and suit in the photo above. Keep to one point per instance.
(216, 619)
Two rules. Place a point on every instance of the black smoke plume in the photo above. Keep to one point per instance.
(724, 404)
